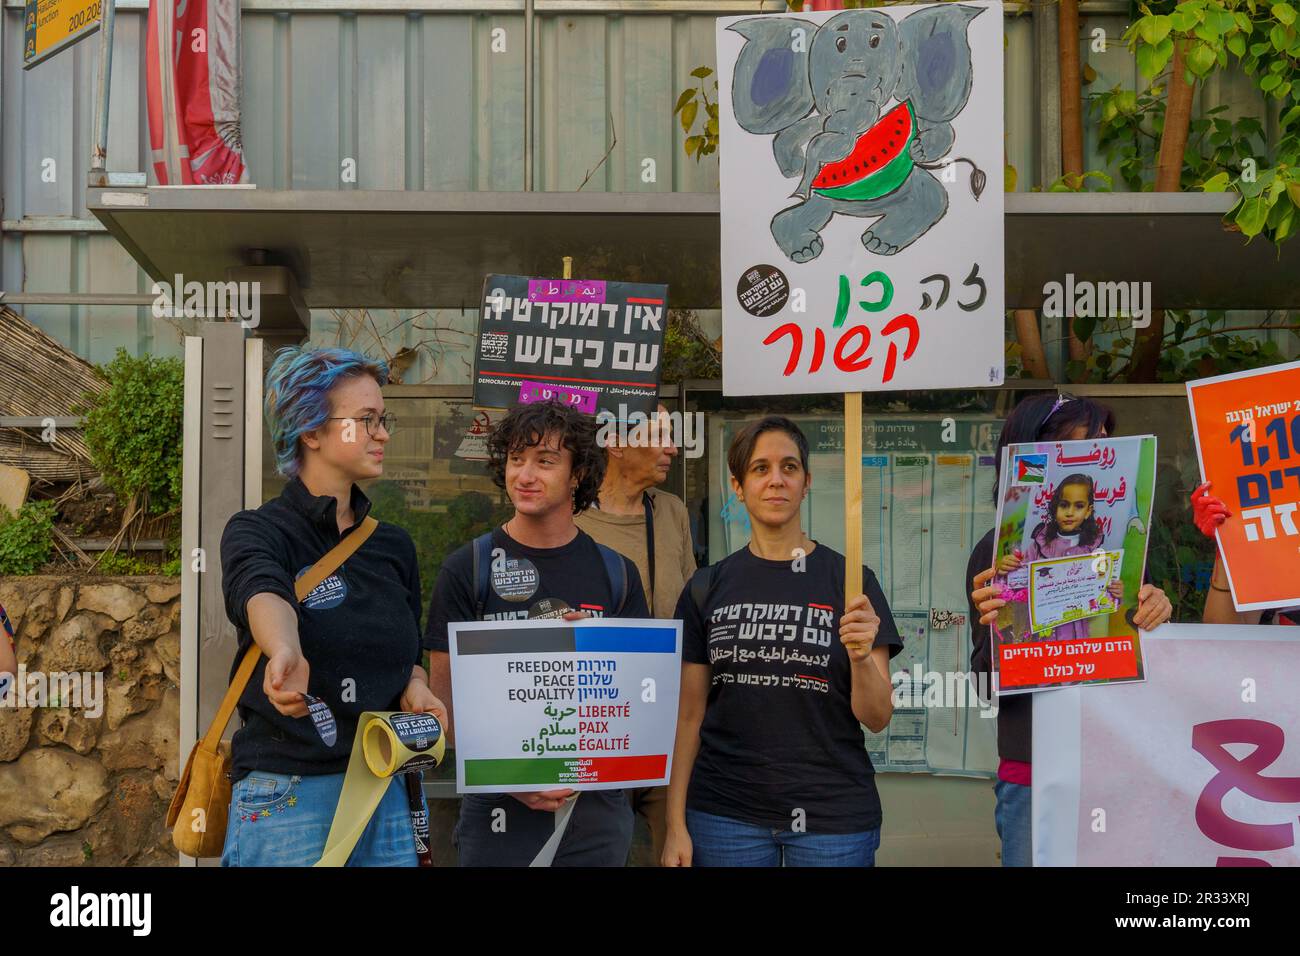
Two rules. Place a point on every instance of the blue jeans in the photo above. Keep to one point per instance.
(722, 841)
(282, 820)
(1014, 821)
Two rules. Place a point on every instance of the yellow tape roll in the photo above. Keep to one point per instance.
(386, 742)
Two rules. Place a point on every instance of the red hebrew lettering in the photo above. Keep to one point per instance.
(853, 362)
(903, 321)
(796, 334)
(819, 349)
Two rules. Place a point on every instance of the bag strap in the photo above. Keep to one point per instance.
(648, 502)
(482, 572)
(700, 584)
(317, 573)
(616, 574)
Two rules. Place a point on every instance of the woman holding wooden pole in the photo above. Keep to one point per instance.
(778, 672)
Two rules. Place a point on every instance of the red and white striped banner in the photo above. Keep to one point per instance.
(192, 57)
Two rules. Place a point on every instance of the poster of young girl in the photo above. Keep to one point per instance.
(1073, 521)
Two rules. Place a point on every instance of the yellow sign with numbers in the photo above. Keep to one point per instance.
(53, 25)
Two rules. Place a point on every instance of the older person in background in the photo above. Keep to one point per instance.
(651, 527)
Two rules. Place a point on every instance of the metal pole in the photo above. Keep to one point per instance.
(528, 95)
(99, 158)
(77, 298)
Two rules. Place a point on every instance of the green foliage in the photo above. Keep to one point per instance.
(134, 427)
(1130, 124)
(687, 351)
(26, 539)
(125, 565)
(1263, 37)
(1196, 345)
(438, 533)
(705, 142)
(1078, 182)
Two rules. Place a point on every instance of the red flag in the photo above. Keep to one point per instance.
(192, 58)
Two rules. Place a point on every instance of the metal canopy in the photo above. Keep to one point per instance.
(395, 249)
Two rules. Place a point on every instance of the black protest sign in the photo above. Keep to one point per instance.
(595, 345)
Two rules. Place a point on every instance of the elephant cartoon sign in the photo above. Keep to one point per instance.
(861, 248)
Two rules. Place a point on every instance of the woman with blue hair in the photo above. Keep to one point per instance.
(353, 641)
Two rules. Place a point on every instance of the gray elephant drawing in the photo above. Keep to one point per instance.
(824, 92)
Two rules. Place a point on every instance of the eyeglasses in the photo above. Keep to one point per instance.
(389, 422)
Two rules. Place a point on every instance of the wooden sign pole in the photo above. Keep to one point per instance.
(852, 495)
(568, 267)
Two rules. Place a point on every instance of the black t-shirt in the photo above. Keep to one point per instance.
(532, 578)
(779, 733)
(542, 578)
(359, 629)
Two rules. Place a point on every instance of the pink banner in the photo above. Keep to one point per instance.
(192, 68)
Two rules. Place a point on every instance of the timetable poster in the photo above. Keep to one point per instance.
(927, 498)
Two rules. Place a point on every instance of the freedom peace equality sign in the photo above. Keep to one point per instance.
(861, 249)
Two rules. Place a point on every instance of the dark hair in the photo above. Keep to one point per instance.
(1089, 532)
(1051, 417)
(526, 426)
(742, 445)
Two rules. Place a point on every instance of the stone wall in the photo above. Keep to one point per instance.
(77, 789)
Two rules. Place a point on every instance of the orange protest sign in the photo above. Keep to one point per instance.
(1247, 429)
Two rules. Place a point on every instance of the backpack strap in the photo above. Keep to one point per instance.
(616, 574)
(700, 585)
(482, 572)
(647, 502)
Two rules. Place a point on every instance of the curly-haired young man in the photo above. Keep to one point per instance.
(538, 564)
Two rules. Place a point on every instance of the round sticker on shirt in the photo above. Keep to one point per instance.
(515, 579)
(329, 593)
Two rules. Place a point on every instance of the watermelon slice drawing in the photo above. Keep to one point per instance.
(881, 159)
